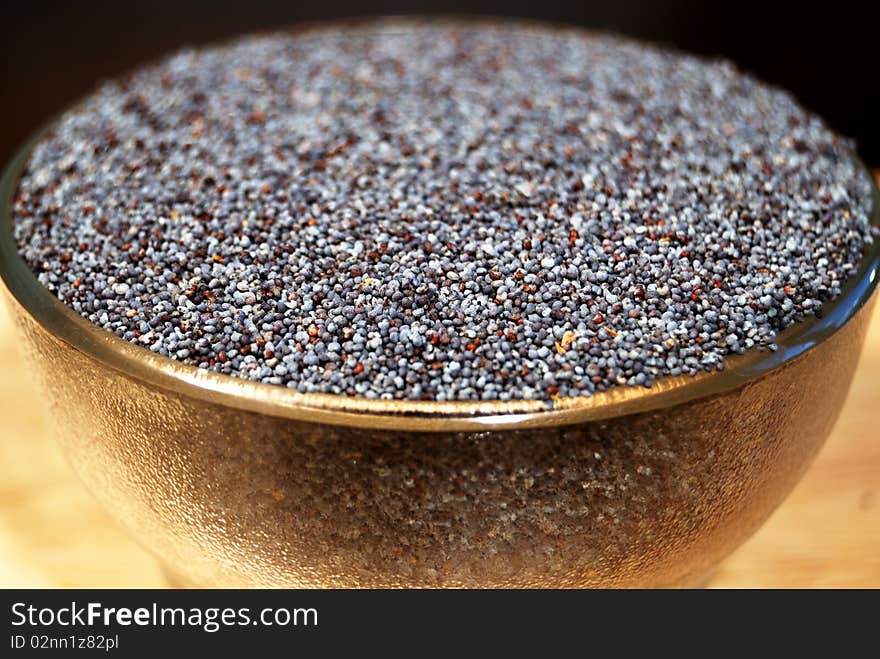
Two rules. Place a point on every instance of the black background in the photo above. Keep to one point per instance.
(54, 52)
(413, 623)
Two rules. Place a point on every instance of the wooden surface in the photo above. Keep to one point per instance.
(827, 534)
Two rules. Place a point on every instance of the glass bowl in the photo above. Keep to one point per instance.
(236, 483)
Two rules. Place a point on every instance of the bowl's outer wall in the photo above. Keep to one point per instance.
(229, 497)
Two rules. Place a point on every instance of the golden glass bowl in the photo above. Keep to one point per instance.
(235, 483)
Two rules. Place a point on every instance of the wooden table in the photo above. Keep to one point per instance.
(827, 534)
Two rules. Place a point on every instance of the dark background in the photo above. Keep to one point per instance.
(54, 52)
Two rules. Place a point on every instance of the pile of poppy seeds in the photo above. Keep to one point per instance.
(443, 212)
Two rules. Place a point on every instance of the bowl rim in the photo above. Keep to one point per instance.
(140, 364)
